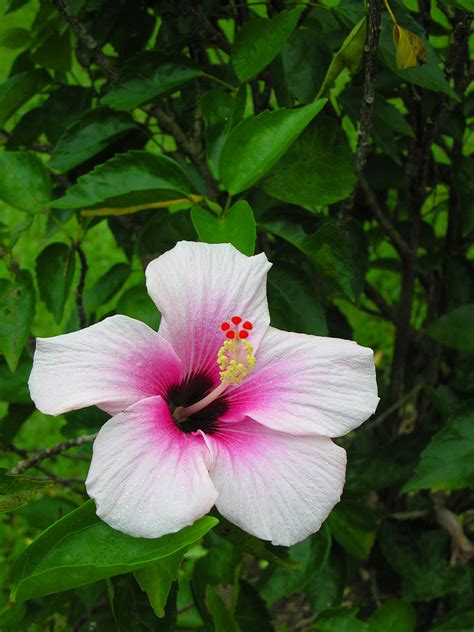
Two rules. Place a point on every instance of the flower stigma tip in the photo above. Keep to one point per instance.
(235, 358)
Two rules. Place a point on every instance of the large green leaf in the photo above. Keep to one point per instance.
(158, 579)
(17, 300)
(311, 554)
(80, 549)
(348, 56)
(259, 41)
(455, 329)
(257, 143)
(250, 611)
(24, 181)
(294, 304)
(147, 76)
(222, 616)
(135, 178)
(19, 89)
(340, 620)
(85, 138)
(132, 611)
(136, 303)
(354, 526)
(448, 460)
(15, 491)
(393, 616)
(236, 227)
(55, 272)
(326, 248)
(14, 385)
(105, 287)
(317, 169)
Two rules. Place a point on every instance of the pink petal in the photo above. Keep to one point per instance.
(197, 287)
(147, 477)
(111, 365)
(274, 485)
(308, 385)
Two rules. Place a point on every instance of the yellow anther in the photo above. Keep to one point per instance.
(235, 359)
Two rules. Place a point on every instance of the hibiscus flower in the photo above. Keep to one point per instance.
(216, 408)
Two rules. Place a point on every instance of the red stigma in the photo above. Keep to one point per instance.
(225, 326)
(236, 320)
(243, 334)
(247, 325)
(230, 335)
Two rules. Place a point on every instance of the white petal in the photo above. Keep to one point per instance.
(197, 287)
(147, 477)
(276, 486)
(111, 365)
(308, 384)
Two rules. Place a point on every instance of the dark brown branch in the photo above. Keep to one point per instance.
(374, 15)
(395, 406)
(86, 38)
(81, 312)
(377, 299)
(33, 461)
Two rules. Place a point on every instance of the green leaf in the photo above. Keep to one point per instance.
(24, 181)
(18, 90)
(311, 554)
(64, 106)
(294, 304)
(136, 303)
(455, 329)
(461, 621)
(158, 579)
(354, 526)
(135, 178)
(317, 169)
(148, 75)
(13, 420)
(17, 300)
(13, 5)
(221, 615)
(236, 227)
(85, 138)
(250, 544)
(259, 41)
(55, 53)
(393, 616)
(251, 612)
(16, 491)
(421, 558)
(55, 272)
(79, 549)
(14, 385)
(132, 611)
(448, 460)
(326, 248)
(257, 143)
(105, 287)
(340, 620)
(348, 56)
(14, 38)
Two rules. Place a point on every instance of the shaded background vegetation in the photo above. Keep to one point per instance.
(363, 201)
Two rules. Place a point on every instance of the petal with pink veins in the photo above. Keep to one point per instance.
(307, 385)
(198, 286)
(147, 477)
(111, 364)
(274, 485)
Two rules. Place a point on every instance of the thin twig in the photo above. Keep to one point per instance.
(86, 38)
(24, 465)
(394, 407)
(81, 312)
(374, 16)
(377, 299)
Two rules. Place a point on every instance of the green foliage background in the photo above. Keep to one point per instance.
(279, 127)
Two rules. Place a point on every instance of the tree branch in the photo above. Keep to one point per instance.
(81, 312)
(33, 461)
(374, 16)
(86, 38)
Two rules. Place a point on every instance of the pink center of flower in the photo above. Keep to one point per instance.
(235, 360)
